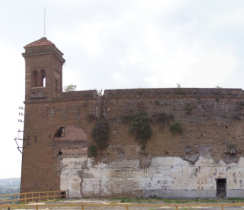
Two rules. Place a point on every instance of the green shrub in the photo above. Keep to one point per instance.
(176, 128)
(92, 151)
(140, 127)
(217, 99)
(100, 133)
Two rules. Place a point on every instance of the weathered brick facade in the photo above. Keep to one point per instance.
(211, 120)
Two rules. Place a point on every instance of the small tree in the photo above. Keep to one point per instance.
(69, 88)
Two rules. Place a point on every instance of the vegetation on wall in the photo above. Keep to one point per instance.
(189, 108)
(176, 128)
(100, 133)
(217, 99)
(140, 128)
(92, 151)
(69, 88)
(140, 125)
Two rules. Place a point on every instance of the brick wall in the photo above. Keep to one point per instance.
(209, 117)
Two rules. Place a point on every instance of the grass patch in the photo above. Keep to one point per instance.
(178, 201)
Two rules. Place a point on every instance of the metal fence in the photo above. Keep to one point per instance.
(38, 201)
(31, 197)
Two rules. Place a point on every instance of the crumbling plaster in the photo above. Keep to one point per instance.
(165, 177)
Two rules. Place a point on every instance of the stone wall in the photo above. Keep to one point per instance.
(208, 117)
(210, 146)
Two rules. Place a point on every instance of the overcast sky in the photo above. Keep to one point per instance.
(120, 44)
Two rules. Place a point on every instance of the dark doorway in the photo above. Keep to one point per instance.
(221, 188)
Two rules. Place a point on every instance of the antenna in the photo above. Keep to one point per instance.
(44, 21)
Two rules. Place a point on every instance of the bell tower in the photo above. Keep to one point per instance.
(43, 83)
(43, 66)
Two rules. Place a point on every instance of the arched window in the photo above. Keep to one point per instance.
(34, 76)
(59, 132)
(43, 78)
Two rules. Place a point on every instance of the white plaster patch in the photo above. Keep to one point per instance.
(166, 174)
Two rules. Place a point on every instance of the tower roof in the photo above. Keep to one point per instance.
(42, 46)
(40, 42)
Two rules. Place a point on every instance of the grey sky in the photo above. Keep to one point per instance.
(120, 44)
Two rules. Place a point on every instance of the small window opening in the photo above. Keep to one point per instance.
(60, 153)
(221, 188)
(43, 78)
(59, 132)
(44, 82)
(231, 149)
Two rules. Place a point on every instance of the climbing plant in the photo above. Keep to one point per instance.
(100, 133)
(140, 128)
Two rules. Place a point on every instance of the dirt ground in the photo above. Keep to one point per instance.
(115, 205)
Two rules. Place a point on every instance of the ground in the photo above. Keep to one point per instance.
(138, 204)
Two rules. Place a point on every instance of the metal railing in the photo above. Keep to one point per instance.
(126, 206)
(31, 197)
